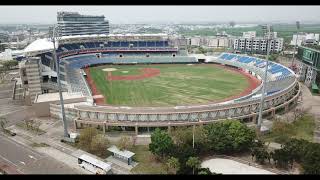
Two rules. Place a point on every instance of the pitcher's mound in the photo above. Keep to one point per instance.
(109, 69)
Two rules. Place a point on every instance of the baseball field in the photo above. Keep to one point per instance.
(167, 85)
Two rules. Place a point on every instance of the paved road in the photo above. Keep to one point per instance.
(28, 161)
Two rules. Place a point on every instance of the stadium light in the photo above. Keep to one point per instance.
(54, 36)
(295, 46)
(267, 29)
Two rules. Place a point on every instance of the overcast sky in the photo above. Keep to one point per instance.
(138, 14)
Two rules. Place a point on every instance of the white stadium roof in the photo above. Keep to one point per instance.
(39, 45)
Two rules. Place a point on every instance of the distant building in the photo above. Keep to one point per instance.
(304, 38)
(250, 43)
(249, 34)
(4, 37)
(221, 41)
(72, 23)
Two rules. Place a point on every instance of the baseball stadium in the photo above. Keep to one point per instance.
(150, 80)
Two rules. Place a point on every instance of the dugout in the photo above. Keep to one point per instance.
(125, 156)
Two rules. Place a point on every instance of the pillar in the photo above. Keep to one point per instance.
(286, 107)
(273, 112)
(104, 128)
(75, 125)
(254, 118)
(136, 129)
(148, 129)
(169, 129)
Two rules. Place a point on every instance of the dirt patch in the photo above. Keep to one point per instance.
(145, 73)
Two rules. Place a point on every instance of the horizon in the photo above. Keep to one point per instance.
(172, 15)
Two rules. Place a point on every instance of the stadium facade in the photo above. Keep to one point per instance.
(73, 23)
(309, 65)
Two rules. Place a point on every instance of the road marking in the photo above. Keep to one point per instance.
(21, 145)
(10, 162)
(32, 157)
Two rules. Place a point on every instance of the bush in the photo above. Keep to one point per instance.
(86, 136)
(99, 145)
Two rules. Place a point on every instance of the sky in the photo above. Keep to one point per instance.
(160, 14)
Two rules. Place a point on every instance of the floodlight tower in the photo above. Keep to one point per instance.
(267, 29)
(295, 46)
(54, 36)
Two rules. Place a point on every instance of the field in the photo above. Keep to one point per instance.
(175, 85)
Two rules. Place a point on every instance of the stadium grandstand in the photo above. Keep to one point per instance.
(77, 52)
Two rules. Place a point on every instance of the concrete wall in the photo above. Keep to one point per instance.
(43, 108)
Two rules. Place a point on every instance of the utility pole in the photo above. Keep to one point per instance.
(267, 29)
(54, 35)
(193, 130)
(295, 46)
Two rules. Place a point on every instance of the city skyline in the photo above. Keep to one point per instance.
(165, 14)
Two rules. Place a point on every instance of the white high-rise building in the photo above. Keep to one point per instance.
(257, 44)
(72, 23)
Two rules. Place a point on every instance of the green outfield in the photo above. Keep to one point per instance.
(176, 85)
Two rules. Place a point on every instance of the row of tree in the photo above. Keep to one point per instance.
(220, 138)
(6, 66)
(306, 153)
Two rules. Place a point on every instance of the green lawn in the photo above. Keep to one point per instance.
(176, 85)
(303, 128)
(147, 163)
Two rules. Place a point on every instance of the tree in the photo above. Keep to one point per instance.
(9, 64)
(232, 24)
(204, 171)
(3, 122)
(194, 163)
(173, 165)
(161, 143)
(183, 136)
(311, 161)
(86, 136)
(281, 158)
(229, 136)
(124, 143)
(99, 145)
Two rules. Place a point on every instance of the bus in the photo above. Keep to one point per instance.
(94, 165)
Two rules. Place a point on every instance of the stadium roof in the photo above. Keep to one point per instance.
(39, 45)
(46, 45)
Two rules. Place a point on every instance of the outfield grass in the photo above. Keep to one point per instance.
(176, 85)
